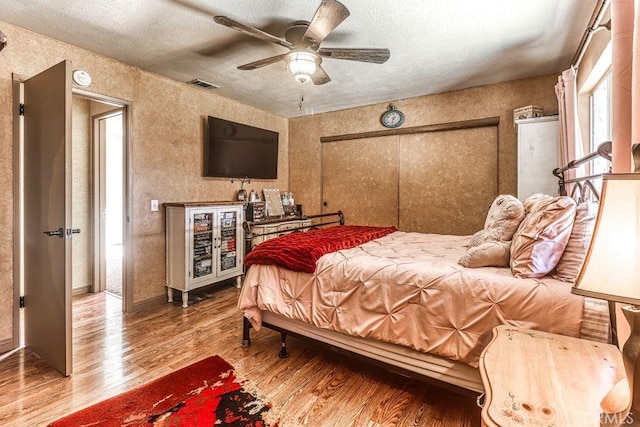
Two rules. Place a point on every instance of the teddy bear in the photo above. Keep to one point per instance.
(491, 245)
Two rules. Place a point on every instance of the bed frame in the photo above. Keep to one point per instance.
(319, 220)
(429, 368)
(583, 188)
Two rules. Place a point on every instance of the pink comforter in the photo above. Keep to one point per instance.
(408, 289)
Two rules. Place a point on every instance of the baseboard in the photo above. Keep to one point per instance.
(6, 345)
(81, 290)
(150, 303)
(162, 299)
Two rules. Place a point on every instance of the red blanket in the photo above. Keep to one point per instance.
(300, 251)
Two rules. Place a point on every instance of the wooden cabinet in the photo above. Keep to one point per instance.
(204, 245)
(275, 229)
(537, 156)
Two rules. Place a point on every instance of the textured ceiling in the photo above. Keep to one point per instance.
(436, 45)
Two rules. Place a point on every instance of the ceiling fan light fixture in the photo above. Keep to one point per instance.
(302, 78)
(302, 64)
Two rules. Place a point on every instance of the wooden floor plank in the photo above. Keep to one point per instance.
(313, 386)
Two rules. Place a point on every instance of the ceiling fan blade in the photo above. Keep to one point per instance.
(250, 31)
(262, 62)
(376, 56)
(320, 77)
(329, 15)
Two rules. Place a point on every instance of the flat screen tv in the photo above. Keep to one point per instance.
(234, 150)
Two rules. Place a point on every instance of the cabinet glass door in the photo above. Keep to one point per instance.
(202, 244)
(228, 223)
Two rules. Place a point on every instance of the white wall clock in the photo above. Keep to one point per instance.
(392, 118)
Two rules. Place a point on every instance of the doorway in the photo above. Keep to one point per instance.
(108, 140)
(100, 128)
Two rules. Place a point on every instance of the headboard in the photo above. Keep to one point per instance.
(584, 187)
(319, 220)
(588, 188)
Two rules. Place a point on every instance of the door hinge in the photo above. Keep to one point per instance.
(22, 109)
(21, 302)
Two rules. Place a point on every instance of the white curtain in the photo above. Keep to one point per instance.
(625, 65)
(625, 42)
(570, 138)
(625, 82)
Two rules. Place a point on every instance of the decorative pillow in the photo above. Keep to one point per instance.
(571, 260)
(490, 246)
(542, 236)
(532, 202)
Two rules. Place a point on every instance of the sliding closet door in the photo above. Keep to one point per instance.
(447, 180)
(360, 177)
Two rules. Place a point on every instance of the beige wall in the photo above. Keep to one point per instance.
(81, 192)
(305, 152)
(166, 149)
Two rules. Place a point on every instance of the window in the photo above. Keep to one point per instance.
(601, 120)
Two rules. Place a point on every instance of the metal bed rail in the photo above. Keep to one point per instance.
(584, 188)
(338, 218)
(604, 150)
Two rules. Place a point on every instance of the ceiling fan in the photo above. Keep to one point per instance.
(303, 40)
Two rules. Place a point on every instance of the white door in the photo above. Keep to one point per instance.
(108, 129)
(47, 215)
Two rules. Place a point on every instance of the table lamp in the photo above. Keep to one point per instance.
(611, 269)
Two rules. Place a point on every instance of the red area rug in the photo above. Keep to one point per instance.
(205, 393)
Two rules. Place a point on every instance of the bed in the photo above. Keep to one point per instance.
(403, 300)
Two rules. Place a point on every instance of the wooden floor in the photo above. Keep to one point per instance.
(315, 387)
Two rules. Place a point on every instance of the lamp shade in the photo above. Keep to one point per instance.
(302, 64)
(611, 269)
